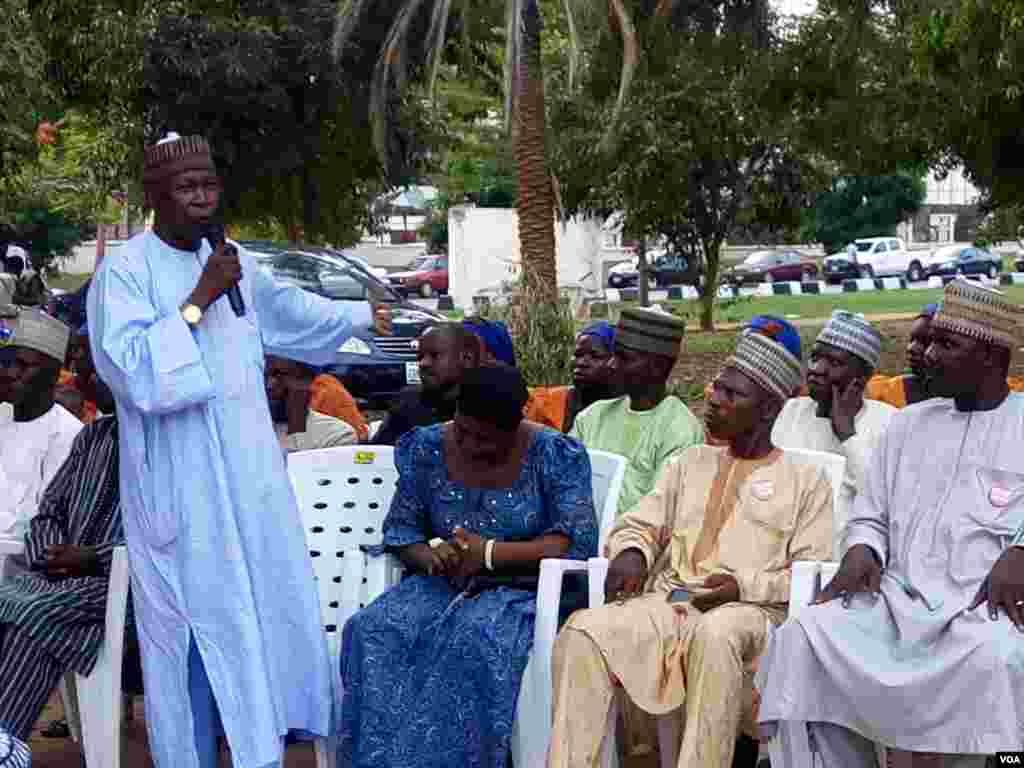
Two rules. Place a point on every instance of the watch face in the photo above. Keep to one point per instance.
(192, 314)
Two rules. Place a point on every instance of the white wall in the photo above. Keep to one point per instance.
(483, 252)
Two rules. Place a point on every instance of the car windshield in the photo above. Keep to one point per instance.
(759, 258)
(421, 263)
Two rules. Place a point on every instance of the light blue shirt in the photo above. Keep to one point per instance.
(213, 532)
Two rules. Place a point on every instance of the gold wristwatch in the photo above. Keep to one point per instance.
(191, 314)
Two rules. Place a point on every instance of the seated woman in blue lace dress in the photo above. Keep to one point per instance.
(431, 669)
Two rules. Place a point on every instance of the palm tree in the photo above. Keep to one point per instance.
(524, 88)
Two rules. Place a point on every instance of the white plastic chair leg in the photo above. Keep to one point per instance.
(670, 738)
(531, 731)
(610, 745)
(69, 698)
(791, 747)
(326, 751)
(99, 694)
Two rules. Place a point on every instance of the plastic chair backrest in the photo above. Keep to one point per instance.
(835, 466)
(343, 495)
(607, 471)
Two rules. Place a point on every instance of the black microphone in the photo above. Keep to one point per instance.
(214, 233)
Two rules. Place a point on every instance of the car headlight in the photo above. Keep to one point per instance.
(355, 346)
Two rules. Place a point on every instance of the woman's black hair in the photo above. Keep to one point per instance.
(496, 394)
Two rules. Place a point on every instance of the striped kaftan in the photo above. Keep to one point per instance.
(50, 627)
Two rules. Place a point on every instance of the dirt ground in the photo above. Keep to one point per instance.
(704, 354)
(65, 753)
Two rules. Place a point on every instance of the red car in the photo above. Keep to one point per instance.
(771, 266)
(427, 276)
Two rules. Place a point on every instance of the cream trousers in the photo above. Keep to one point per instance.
(717, 650)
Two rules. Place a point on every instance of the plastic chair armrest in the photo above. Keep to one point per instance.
(597, 572)
(11, 547)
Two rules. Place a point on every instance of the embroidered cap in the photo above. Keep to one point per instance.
(645, 330)
(767, 362)
(33, 329)
(979, 312)
(854, 334)
(176, 154)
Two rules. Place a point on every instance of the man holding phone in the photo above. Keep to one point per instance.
(836, 418)
(700, 572)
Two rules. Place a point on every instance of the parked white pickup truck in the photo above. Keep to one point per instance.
(876, 257)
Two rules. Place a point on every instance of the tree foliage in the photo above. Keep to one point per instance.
(864, 206)
(706, 138)
(25, 98)
(288, 128)
(968, 61)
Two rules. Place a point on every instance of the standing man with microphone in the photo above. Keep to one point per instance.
(228, 616)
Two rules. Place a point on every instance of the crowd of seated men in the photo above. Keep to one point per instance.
(927, 605)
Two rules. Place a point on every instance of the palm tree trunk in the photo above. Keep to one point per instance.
(536, 206)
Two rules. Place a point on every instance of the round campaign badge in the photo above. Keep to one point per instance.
(6, 334)
(763, 489)
(999, 496)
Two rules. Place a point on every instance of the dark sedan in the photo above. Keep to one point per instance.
(373, 368)
(772, 266)
(964, 260)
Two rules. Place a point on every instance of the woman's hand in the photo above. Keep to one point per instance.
(442, 560)
(471, 551)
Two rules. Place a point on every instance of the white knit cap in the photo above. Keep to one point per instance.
(33, 329)
(854, 334)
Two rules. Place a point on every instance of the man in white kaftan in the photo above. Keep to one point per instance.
(36, 433)
(836, 418)
(218, 556)
(918, 665)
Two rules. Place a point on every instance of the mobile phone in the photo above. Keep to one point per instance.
(679, 596)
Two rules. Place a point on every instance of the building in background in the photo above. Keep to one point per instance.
(950, 213)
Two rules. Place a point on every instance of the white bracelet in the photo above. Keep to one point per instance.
(489, 555)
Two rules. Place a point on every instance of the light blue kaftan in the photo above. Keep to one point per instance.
(213, 532)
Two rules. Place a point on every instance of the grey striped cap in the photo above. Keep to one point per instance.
(854, 334)
(644, 330)
(32, 328)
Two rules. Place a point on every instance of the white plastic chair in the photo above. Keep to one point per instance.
(344, 494)
(796, 752)
(92, 703)
(670, 726)
(531, 732)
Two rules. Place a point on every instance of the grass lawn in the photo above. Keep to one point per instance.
(820, 306)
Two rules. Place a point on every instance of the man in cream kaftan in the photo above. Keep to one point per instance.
(915, 666)
(711, 514)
